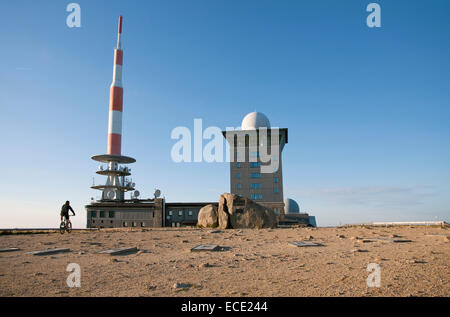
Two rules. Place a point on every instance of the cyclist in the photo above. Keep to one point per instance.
(65, 211)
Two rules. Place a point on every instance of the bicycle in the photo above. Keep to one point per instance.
(65, 225)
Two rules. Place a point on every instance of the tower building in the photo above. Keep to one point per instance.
(256, 170)
(117, 183)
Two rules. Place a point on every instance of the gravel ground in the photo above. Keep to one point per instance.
(250, 263)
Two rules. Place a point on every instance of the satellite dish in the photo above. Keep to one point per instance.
(136, 194)
(157, 193)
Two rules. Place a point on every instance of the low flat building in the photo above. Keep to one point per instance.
(183, 214)
(150, 213)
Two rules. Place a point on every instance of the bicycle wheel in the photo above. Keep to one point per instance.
(62, 227)
(69, 227)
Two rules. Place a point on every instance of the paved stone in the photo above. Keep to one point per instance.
(9, 250)
(49, 251)
(205, 247)
(305, 244)
(118, 251)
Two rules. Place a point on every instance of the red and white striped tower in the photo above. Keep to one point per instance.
(117, 183)
(116, 100)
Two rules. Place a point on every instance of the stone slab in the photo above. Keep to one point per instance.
(305, 244)
(385, 239)
(118, 251)
(49, 251)
(9, 250)
(205, 247)
(401, 240)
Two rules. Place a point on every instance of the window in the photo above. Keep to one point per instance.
(238, 175)
(256, 196)
(275, 179)
(238, 165)
(111, 214)
(275, 190)
(102, 214)
(255, 175)
(93, 214)
(277, 211)
(180, 213)
(142, 224)
(239, 186)
(134, 224)
(255, 164)
(93, 221)
(256, 186)
(125, 224)
(254, 154)
(171, 213)
(190, 213)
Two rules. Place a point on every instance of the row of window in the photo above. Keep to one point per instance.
(256, 186)
(102, 213)
(252, 164)
(133, 224)
(181, 213)
(252, 175)
(256, 196)
(125, 223)
(101, 221)
(256, 175)
(256, 154)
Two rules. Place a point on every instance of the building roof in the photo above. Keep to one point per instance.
(291, 206)
(255, 120)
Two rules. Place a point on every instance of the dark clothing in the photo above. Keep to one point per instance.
(65, 211)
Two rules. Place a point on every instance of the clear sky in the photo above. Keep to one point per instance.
(368, 109)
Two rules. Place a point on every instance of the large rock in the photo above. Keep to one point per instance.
(207, 217)
(239, 212)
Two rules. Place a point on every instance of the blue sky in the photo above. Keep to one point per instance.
(367, 109)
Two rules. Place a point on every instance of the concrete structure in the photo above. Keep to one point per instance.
(183, 214)
(248, 148)
(127, 213)
(143, 213)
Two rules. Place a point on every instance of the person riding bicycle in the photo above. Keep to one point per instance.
(65, 211)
